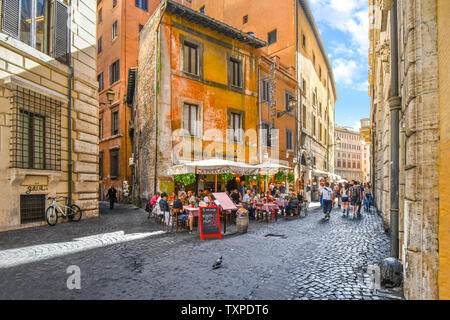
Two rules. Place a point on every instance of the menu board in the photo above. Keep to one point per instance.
(209, 220)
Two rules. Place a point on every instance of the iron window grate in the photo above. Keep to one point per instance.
(32, 208)
(36, 131)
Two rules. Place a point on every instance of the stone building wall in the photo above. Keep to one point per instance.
(419, 136)
(444, 163)
(24, 67)
(143, 111)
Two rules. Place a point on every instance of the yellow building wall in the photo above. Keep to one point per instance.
(213, 93)
(444, 163)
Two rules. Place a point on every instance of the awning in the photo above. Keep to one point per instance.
(268, 167)
(322, 173)
(214, 166)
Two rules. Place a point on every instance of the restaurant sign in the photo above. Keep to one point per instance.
(209, 221)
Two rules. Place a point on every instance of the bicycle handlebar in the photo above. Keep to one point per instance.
(54, 198)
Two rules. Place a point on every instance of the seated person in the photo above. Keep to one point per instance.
(248, 201)
(278, 194)
(300, 197)
(235, 196)
(292, 204)
(164, 207)
(269, 197)
(178, 204)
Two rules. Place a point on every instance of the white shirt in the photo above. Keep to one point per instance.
(327, 193)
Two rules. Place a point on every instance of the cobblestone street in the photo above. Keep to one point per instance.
(122, 255)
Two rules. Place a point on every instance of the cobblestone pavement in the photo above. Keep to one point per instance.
(122, 256)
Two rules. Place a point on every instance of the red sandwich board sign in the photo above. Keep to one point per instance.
(209, 220)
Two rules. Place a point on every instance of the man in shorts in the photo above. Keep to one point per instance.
(327, 199)
(356, 198)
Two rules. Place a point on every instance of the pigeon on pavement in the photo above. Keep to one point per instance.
(218, 263)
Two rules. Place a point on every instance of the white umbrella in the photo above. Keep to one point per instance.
(271, 167)
(214, 166)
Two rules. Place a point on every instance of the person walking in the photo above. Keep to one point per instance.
(308, 194)
(368, 196)
(112, 196)
(338, 194)
(345, 197)
(355, 196)
(361, 187)
(321, 186)
(327, 199)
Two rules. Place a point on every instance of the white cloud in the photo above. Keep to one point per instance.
(345, 72)
(348, 16)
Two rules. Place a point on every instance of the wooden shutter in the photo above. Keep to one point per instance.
(11, 17)
(61, 27)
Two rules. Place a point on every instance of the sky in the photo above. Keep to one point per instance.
(344, 25)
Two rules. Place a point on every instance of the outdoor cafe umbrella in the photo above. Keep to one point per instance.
(214, 167)
(271, 168)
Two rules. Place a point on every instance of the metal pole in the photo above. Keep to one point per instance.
(69, 107)
(395, 105)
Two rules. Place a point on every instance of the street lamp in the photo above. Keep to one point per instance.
(291, 105)
(110, 95)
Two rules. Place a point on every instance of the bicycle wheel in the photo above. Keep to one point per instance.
(74, 213)
(51, 215)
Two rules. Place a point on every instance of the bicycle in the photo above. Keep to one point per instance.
(73, 212)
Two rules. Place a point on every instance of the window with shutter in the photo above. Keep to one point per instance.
(289, 140)
(29, 21)
(191, 119)
(190, 58)
(266, 138)
(61, 41)
(114, 72)
(11, 17)
(236, 69)
(114, 163)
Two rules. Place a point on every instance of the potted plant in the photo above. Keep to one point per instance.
(280, 176)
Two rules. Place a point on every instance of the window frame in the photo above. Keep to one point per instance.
(290, 135)
(115, 110)
(185, 40)
(232, 61)
(115, 30)
(115, 151)
(272, 33)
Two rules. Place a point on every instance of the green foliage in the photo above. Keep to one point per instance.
(280, 176)
(266, 178)
(291, 178)
(186, 179)
(226, 177)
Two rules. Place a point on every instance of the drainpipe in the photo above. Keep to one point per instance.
(69, 107)
(259, 112)
(155, 189)
(298, 114)
(395, 105)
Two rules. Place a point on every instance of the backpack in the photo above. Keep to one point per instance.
(355, 193)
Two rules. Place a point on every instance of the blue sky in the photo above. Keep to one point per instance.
(343, 25)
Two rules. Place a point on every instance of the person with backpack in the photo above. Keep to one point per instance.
(361, 187)
(327, 200)
(355, 196)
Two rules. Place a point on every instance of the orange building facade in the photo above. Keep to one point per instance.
(196, 96)
(119, 23)
(292, 35)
